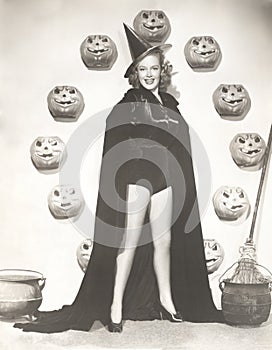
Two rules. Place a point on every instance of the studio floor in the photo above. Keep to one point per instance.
(144, 335)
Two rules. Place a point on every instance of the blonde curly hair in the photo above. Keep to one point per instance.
(166, 73)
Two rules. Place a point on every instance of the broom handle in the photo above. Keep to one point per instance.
(266, 159)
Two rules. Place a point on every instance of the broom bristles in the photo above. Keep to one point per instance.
(247, 273)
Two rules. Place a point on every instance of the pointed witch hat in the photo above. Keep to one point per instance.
(139, 47)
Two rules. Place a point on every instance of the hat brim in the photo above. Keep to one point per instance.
(162, 48)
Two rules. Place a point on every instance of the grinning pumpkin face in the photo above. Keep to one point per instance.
(248, 150)
(98, 52)
(65, 103)
(214, 255)
(47, 152)
(232, 102)
(65, 202)
(231, 204)
(202, 53)
(152, 25)
(83, 253)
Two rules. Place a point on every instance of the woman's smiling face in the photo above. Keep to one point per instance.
(149, 71)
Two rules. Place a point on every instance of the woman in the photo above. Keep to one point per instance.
(148, 258)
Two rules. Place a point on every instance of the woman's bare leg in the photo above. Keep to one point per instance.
(138, 198)
(160, 220)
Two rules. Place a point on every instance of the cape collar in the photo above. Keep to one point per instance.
(152, 97)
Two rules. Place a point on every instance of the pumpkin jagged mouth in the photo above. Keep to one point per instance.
(211, 261)
(97, 52)
(153, 28)
(44, 155)
(65, 103)
(236, 207)
(64, 205)
(250, 152)
(232, 102)
(233, 207)
(207, 53)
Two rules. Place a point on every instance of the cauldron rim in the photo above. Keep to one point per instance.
(227, 281)
(19, 275)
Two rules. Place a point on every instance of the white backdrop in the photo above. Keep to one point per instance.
(40, 49)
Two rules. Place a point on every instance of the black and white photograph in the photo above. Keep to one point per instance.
(136, 175)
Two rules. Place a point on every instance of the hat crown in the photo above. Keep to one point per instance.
(137, 45)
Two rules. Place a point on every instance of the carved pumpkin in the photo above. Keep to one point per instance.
(248, 150)
(98, 52)
(203, 53)
(83, 253)
(65, 103)
(65, 202)
(152, 25)
(47, 153)
(214, 254)
(232, 102)
(231, 204)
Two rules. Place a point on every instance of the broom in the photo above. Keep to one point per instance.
(247, 272)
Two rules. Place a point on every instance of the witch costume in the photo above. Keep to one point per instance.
(146, 142)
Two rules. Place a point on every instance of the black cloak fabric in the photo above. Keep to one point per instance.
(134, 117)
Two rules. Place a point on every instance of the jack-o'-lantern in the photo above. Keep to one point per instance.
(232, 102)
(248, 150)
(83, 253)
(152, 25)
(231, 204)
(98, 52)
(214, 255)
(47, 153)
(65, 103)
(203, 53)
(64, 202)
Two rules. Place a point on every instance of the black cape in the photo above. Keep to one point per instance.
(189, 279)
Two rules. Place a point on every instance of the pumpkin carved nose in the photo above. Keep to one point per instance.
(64, 95)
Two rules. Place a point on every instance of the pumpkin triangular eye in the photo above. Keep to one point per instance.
(56, 193)
(239, 89)
(257, 139)
(195, 42)
(160, 15)
(215, 247)
(241, 140)
(105, 40)
(85, 246)
(145, 15)
(224, 89)
(38, 143)
(90, 40)
(56, 91)
(210, 40)
(225, 194)
(71, 191)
